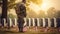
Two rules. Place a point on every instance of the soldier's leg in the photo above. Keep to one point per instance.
(20, 24)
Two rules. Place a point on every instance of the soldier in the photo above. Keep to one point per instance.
(21, 14)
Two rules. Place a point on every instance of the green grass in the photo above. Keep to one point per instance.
(7, 32)
(3, 31)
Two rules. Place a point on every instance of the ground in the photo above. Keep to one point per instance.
(32, 30)
(6, 32)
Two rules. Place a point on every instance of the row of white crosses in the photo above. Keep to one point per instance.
(31, 20)
(15, 22)
(10, 22)
(38, 22)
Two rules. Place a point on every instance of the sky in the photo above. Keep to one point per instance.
(53, 3)
(46, 4)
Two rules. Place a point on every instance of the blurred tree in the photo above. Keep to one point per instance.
(51, 12)
(58, 14)
(11, 4)
(38, 2)
(42, 14)
(31, 14)
(12, 16)
(4, 10)
(6, 5)
(0, 2)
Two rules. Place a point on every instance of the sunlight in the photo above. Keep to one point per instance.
(44, 6)
(17, 1)
(36, 7)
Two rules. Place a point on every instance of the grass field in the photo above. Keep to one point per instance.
(7, 32)
(13, 31)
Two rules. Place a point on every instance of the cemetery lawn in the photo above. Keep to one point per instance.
(8, 32)
(3, 31)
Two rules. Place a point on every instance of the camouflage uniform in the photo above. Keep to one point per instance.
(21, 13)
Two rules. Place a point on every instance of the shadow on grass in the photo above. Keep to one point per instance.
(10, 32)
(2, 32)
